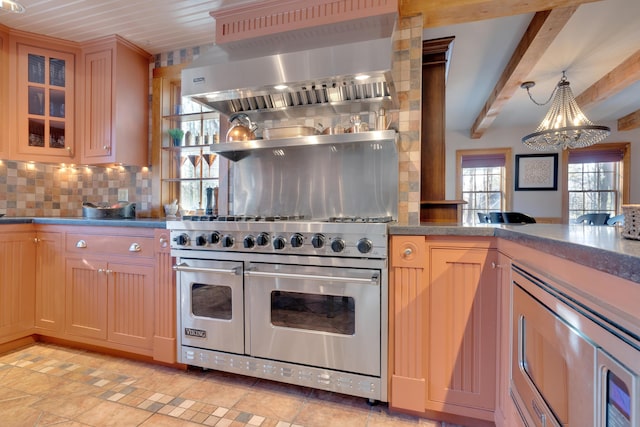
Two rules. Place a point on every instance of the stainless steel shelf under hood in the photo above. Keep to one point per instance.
(235, 151)
(325, 79)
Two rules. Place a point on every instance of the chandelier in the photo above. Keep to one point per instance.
(565, 125)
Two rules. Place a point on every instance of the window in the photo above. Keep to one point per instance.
(483, 180)
(596, 180)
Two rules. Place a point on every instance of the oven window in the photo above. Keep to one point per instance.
(326, 313)
(211, 301)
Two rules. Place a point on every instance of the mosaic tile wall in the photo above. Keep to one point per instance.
(407, 70)
(34, 189)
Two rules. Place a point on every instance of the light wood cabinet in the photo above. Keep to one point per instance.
(110, 288)
(86, 298)
(43, 81)
(164, 337)
(4, 91)
(443, 314)
(49, 271)
(115, 102)
(17, 281)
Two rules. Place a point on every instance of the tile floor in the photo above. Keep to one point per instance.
(46, 385)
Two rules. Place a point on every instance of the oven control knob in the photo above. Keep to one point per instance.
(214, 238)
(364, 245)
(262, 239)
(249, 242)
(317, 241)
(182, 239)
(227, 241)
(278, 243)
(297, 240)
(337, 245)
(201, 240)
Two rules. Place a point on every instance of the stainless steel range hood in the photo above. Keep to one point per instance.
(325, 79)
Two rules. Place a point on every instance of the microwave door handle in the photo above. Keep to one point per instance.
(373, 279)
(187, 268)
(539, 413)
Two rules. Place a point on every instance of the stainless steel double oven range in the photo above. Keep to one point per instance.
(286, 299)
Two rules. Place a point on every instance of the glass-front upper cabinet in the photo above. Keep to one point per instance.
(45, 104)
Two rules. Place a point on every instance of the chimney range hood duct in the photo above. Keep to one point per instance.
(326, 79)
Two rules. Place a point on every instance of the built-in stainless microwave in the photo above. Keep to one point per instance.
(571, 365)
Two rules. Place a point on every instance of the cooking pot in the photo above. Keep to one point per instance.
(241, 128)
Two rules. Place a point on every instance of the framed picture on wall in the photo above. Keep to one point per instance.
(537, 172)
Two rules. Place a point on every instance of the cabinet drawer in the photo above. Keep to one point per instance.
(130, 246)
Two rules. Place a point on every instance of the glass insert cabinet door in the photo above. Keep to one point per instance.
(45, 102)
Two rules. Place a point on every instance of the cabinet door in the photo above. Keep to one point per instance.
(17, 283)
(98, 94)
(4, 95)
(116, 102)
(45, 104)
(407, 327)
(86, 298)
(130, 304)
(461, 329)
(49, 304)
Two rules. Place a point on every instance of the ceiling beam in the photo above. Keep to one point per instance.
(616, 80)
(439, 13)
(630, 121)
(542, 30)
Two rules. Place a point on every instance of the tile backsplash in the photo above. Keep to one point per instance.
(36, 189)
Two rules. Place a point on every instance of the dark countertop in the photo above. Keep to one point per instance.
(134, 222)
(599, 247)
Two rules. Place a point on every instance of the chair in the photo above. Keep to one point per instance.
(618, 219)
(483, 217)
(496, 217)
(517, 218)
(593, 219)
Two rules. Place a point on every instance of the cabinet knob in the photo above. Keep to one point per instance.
(163, 242)
(36, 240)
(407, 252)
(81, 244)
(135, 247)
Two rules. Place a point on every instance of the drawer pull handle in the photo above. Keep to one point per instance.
(407, 252)
(81, 244)
(494, 265)
(135, 247)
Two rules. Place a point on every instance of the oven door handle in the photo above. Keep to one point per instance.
(187, 268)
(373, 279)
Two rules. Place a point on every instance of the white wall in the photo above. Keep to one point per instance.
(535, 203)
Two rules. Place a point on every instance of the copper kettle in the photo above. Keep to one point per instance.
(241, 128)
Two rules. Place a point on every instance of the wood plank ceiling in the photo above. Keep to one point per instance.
(546, 24)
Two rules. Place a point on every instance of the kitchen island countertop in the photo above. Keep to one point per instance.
(599, 247)
(133, 222)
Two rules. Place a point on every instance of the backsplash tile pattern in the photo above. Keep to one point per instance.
(407, 72)
(36, 189)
